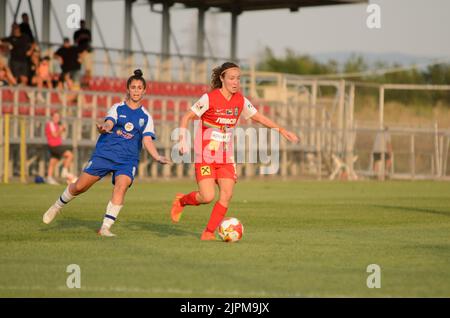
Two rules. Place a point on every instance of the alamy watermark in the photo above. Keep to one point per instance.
(233, 145)
(373, 21)
(74, 17)
(74, 279)
(374, 279)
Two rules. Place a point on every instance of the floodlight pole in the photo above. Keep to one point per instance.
(201, 33)
(46, 17)
(127, 45)
(88, 13)
(234, 30)
(3, 18)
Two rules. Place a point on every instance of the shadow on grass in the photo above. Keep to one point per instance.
(160, 229)
(413, 209)
(65, 223)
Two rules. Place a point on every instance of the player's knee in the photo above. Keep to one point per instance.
(77, 188)
(206, 197)
(121, 187)
(225, 196)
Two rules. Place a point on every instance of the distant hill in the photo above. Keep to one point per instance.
(371, 58)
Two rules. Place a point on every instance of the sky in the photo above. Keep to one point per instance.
(414, 27)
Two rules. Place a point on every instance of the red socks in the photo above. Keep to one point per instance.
(217, 215)
(189, 199)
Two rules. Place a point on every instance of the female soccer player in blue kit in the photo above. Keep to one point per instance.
(127, 125)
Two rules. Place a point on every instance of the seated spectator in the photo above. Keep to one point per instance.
(42, 77)
(6, 77)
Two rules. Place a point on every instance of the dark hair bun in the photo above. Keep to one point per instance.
(138, 73)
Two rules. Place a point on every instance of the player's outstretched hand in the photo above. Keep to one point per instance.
(290, 136)
(102, 129)
(164, 161)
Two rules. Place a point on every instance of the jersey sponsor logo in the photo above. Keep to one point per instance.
(124, 134)
(226, 121)
(141, 122)
(129, 126)
(205, 170)
(122, 116)
(222, 137)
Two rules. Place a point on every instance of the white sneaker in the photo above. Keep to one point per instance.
(52, 181)
(104, 231)
(51, 214)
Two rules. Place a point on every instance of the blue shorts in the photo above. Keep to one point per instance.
(100, 167)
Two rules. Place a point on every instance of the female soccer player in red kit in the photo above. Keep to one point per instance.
(219, 111)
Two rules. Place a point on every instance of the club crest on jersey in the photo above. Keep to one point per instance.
(129, 126)
(236, 111)
(141, 122)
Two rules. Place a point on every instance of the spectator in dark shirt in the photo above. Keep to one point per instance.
(25, 27)
(21, 49)
(82, 38)
(69, 58)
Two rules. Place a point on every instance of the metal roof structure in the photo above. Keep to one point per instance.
(234, 7)
(252, 5)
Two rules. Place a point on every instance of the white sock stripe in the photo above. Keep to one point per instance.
(67, 196)
(113, 209)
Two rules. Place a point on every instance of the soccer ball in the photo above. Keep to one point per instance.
(231, 230)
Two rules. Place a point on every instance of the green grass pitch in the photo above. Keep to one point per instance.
(302, 239)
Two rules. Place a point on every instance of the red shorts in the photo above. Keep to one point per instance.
(215, 171)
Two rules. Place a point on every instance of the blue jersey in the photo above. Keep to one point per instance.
(124, 143)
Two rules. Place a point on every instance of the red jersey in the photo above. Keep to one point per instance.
(214, 139)
(50, 128)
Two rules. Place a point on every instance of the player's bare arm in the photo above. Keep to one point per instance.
(150, 146)
(263, 120)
